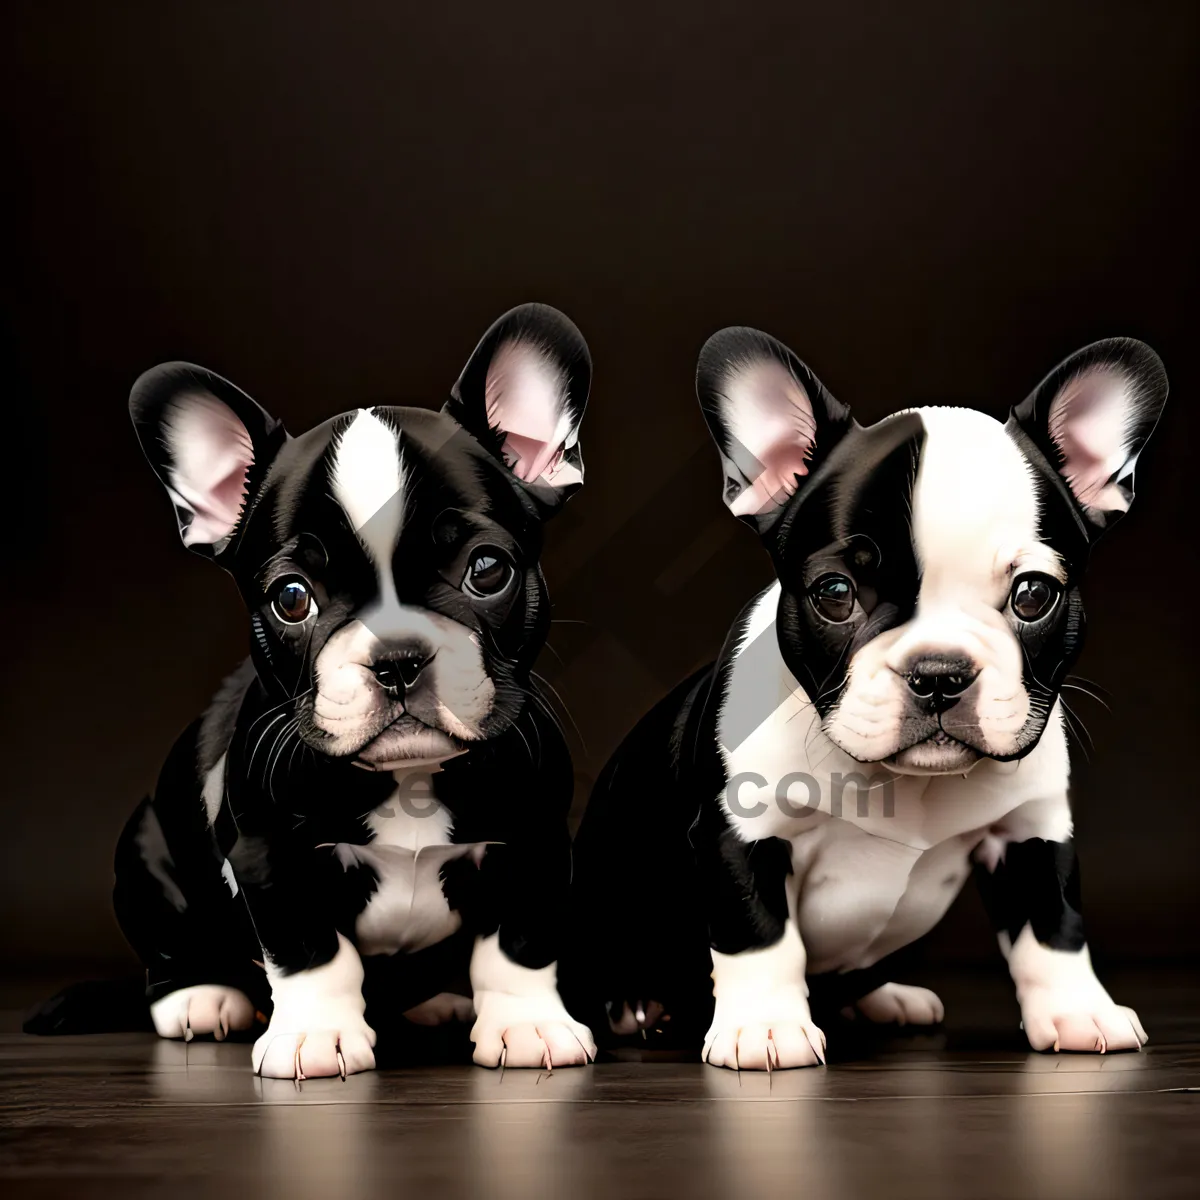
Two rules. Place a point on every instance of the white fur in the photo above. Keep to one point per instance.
(901, 1004)
(1063, 1005)
(520, 1021)
(867, 883)
(408, 909)
(367, 478)
(350, 707)
(202, 1009)
(975, 526)
(762, 1019)
(317, 1025)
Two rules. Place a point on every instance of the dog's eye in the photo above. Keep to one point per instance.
(489, 573)
(1033, 596)
(833, 597)
(293, 601)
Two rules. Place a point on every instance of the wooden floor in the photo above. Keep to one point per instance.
(963, 1113)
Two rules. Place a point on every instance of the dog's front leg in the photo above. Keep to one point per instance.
(317, 1027)
(1031, 890)
(761, 1020)
(520, 1019)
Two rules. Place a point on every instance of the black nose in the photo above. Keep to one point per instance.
(399, 671)
(940, 681)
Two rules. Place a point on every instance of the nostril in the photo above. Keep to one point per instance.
(921, 685)
(955, 685)
(940, 677)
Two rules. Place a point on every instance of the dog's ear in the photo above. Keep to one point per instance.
(1090, 418)
(522, 395)
(772, 419)
(209, 445)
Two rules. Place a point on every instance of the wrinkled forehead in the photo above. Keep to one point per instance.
(367, 477)
(975, 506)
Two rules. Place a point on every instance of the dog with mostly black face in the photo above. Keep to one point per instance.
(912, 650)
(369, 822)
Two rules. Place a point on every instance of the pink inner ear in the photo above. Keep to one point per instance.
(212, 454)
(770, 418)
(525, 397)
(1088, 422)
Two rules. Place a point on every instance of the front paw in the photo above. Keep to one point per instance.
(791, 1040)
(1053, 1021)
(287, 1053)
(516, 1031)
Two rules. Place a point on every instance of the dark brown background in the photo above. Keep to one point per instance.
(928, 202)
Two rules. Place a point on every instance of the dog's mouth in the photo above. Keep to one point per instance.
(939, 754)
(407, 742)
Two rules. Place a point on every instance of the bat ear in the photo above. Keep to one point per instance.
(522, 395)
(772, 419)
(1090, 417)
(208, 443)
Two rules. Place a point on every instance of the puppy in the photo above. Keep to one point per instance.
(379, 793)
(883, 717)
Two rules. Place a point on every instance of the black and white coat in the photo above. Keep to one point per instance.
(369, 823)
(883, 719)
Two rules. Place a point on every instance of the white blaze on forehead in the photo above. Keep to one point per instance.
(974, 505)
(368, 482)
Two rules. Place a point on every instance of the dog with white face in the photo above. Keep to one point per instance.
(882, 719)
(368, 825)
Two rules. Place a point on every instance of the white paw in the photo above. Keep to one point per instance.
(207, 1008)
(1055, 1020)
(900, 1004)
(317, 1026)
(528, 1031)
(764, 1045)
(343, 1050)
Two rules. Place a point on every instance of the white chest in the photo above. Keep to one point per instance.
(858, 897)
(408, 909)
(877, 856)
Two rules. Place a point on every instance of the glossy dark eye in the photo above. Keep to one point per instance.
(293, 601)
(489, 573)
(833, 597)
(1033, 596)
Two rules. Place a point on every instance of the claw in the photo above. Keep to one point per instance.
(187, 1027)
(341, 1063)
(820, 1057)
(299, 1071)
